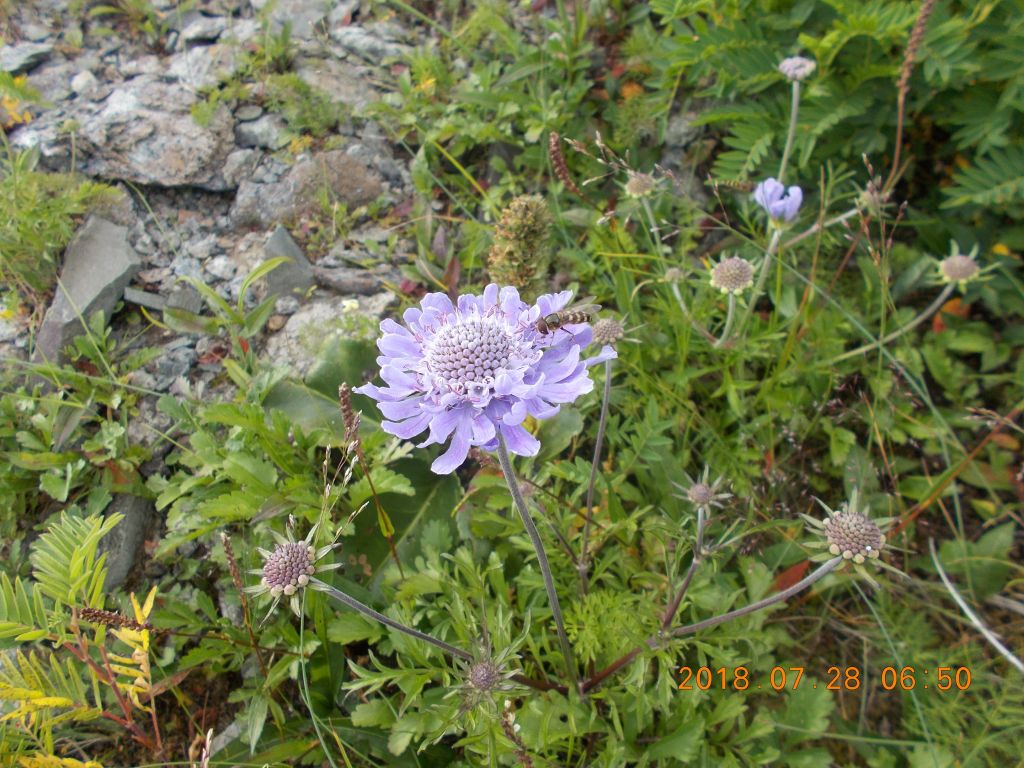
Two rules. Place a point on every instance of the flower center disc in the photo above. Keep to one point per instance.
(469, 353)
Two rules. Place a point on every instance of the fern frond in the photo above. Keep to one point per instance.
(23, 614)
(64, 560)
(994, 180)
(36, 686)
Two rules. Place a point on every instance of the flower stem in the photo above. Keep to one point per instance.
(584, 562)
(538, 547)
(367, 611)
(653, 642)
(698, 554)
(821, 571)
(928, 312)
(728, 321)
(762, 277)
(794, 109)
(686, 313)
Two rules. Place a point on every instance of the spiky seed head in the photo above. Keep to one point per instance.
(701, 494)
(853, 535)
(958, 268)
(639, 184)
(289, 567)
(608, 331)
(484, 676)
(732, 275)
(797, 68)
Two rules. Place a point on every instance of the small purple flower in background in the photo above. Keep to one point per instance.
(470, 369)
(797, 68)
(781, 203)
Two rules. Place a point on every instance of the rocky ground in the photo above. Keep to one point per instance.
(209, 199)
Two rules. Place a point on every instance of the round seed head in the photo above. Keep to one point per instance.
(289, 567)
(607, 331)
(639, 184)
(853, 536)
(732, 275)
(797, 68)
(958, 268)
(701, 494)
(673, 274)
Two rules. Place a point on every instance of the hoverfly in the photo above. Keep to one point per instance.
(580, 312)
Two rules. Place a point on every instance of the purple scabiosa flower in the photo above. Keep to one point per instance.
(468, 369)
(780, 203)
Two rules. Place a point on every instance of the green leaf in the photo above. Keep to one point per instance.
(681, 745)
(984, 563)
(350, 627)
(255, 720)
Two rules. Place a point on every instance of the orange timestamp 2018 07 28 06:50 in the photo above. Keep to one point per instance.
(889, 678)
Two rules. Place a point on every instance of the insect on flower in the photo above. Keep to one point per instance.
(575, 314)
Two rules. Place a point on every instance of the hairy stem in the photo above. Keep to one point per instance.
(762, 277)
(367, 611)
(542, 558)
(820, 572)
(728, 321)
(930, 310)
(794, 109)
(584, 562)
(698, 554)
(655, 641)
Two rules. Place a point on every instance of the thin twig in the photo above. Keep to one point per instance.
(987, 633)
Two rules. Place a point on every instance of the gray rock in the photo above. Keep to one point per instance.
(347, 179)
(124, 543)
(294, 277)
(248, 112)
(177, 360)
(239, 165)
(22, 57)
(342, 82)
(53, 79)
(203, 66)
(286, 305)
(84, 83)
(320, 323)
(204, 29)
(143, 132)
(145, 299)
(98, 265)
(185, 297)
(9, 329)
(37, 33)
(221, 267)
(348, 281)
(374, 44)
(305, 16)
(268, 132)
(241, 31)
